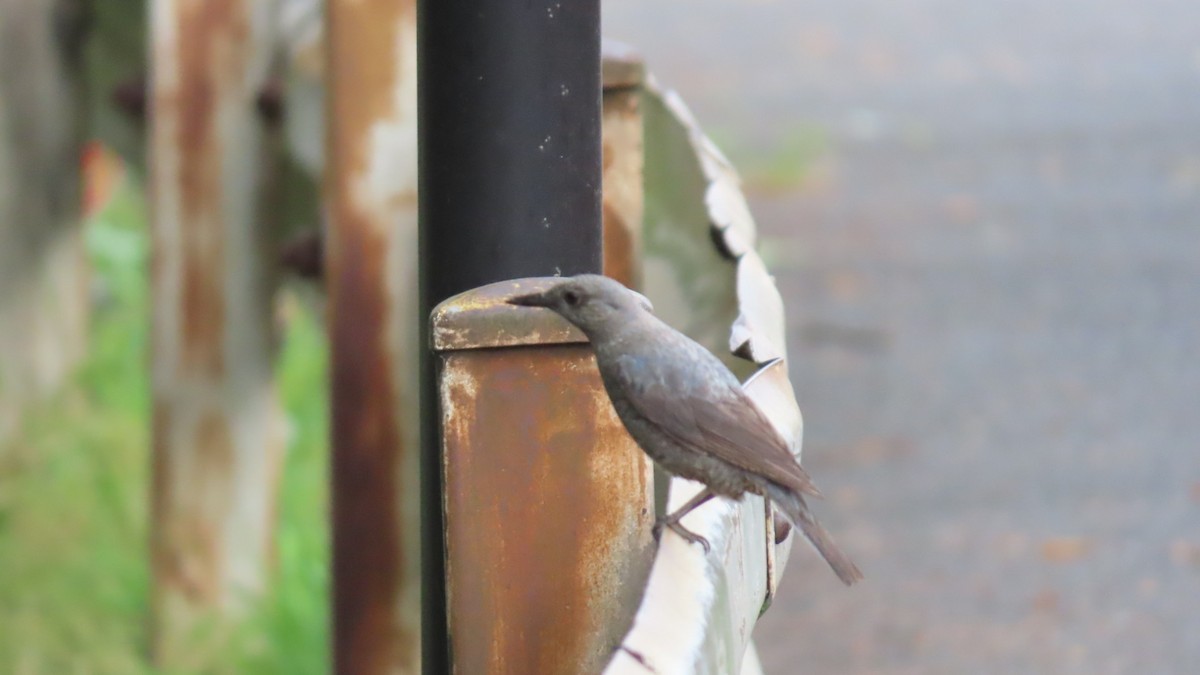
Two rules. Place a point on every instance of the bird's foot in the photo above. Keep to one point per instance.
(678, 528)
(689, 536)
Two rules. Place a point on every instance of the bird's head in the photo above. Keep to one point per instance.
(590, 301)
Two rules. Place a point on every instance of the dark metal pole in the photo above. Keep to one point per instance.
(509, 183)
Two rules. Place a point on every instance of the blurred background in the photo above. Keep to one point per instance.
(985, 220)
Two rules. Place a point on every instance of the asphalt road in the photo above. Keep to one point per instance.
(992, 268)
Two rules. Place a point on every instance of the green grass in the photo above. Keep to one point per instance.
(74, 491)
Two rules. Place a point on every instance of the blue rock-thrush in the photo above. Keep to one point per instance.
(685, 409)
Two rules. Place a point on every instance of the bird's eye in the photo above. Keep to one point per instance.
(571, 297)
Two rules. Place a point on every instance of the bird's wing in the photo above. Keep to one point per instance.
(722, 422)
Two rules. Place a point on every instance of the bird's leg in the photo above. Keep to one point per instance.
(672, 520)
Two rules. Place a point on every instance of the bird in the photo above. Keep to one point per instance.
(686, 409)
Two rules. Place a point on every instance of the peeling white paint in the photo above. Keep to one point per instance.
(392, 165)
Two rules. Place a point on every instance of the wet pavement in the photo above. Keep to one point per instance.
(992, 266)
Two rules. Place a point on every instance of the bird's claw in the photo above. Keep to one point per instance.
(689, 536)
(678, 528)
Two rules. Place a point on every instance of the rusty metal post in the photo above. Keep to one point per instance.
(548, 501)
(510, 183)
(623, 161)
(371, 271)
(217, 426)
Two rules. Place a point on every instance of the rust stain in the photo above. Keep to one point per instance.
(619, 262)
(560, 481)
(209, 495)
(366, 450)
(212, 54)
(619, 486)
(368, 563)
(184, 546)
(192, 561)
(622, 185)
(214, 461)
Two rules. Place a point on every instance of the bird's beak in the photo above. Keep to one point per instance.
(531, 300)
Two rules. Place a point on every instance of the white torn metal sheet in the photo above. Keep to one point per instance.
(691, 283)
(720, 592)
(760, 331)
(696, 219)
(750, 663)
(731, 216)
(728, 211)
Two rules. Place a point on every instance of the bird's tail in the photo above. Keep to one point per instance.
(797, 512)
